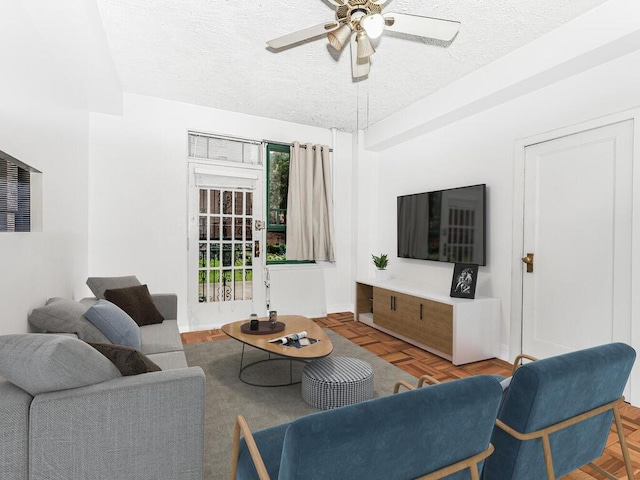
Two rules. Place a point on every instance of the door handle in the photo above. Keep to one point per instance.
(529, 261)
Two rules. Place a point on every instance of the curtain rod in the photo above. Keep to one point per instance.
(290, 144)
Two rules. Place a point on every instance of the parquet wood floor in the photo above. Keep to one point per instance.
(417, 362)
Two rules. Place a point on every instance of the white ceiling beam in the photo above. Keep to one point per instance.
(605, 33)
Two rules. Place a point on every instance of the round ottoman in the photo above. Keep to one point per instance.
(332, 382)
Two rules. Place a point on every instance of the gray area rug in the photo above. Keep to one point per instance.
(263, 407)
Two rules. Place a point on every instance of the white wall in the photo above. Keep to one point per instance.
(42, 123)
(138, 194)
(480, 148)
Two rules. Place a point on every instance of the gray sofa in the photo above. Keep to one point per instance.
(147, 426)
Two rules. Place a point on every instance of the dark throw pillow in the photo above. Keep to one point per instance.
(126, 359)
(137, 302)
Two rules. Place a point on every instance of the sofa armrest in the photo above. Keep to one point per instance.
(167, 304)
(14, 425)
(148, 426)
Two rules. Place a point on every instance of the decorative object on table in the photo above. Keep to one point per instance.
(253, 322)
(273, 318)
(463, 283)
(264, 328)
(298, 340)
(381, 262)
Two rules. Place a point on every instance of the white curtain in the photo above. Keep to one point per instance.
(310, 204)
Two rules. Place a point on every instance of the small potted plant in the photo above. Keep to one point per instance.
(381, 263)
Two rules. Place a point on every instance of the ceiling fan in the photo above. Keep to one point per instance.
(359, 21)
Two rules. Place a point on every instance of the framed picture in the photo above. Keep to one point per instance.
(463, 283)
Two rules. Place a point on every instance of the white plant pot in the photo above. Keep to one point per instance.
(382, 275)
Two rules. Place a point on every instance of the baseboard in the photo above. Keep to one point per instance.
(340, 308)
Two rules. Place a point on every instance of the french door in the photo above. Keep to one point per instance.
(225, 262)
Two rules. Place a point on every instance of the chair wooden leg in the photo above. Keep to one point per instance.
(474, 472)
(428, 379)
(241, 426)
(548, 459)
(235, 450)
(623, 442)
(402, 383)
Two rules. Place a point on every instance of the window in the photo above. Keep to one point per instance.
(15, 195)
(223, 149)
(277, 190)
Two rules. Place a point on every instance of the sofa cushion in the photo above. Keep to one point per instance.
(63, 315)
(169, 360)
(161, 337)
(39, 363)
(115, 323)
(127, 360)
(137, 302)
(98, 285)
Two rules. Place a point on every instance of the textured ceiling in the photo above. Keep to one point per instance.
(213, 53)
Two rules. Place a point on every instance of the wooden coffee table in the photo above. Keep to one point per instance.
(292, 324)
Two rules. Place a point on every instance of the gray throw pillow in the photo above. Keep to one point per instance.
(98, 285)
(115, 323)
(126, 359)
(40, 363)
(137, 302)
(63, 315)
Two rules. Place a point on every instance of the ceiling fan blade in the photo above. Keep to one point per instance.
(302, 35)
(359, 66)
(421, 26)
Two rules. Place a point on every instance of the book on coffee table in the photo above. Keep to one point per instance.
(297, 340)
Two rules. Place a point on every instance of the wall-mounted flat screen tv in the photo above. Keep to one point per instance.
(444, 226)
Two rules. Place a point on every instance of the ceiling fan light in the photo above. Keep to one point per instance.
(365, 49)
(373, 24)
(340, 36)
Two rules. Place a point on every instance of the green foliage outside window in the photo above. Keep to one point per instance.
(277, 190)
(278, 157)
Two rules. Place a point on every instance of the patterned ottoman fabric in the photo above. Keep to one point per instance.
(332, 382)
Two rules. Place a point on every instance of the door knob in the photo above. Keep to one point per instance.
(529, 261)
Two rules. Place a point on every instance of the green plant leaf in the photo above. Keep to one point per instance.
(381, 261)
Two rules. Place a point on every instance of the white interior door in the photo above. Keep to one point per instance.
(578, 225)
(225, 258)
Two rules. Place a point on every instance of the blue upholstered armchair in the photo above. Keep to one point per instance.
(429, 433)
(556, 414)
